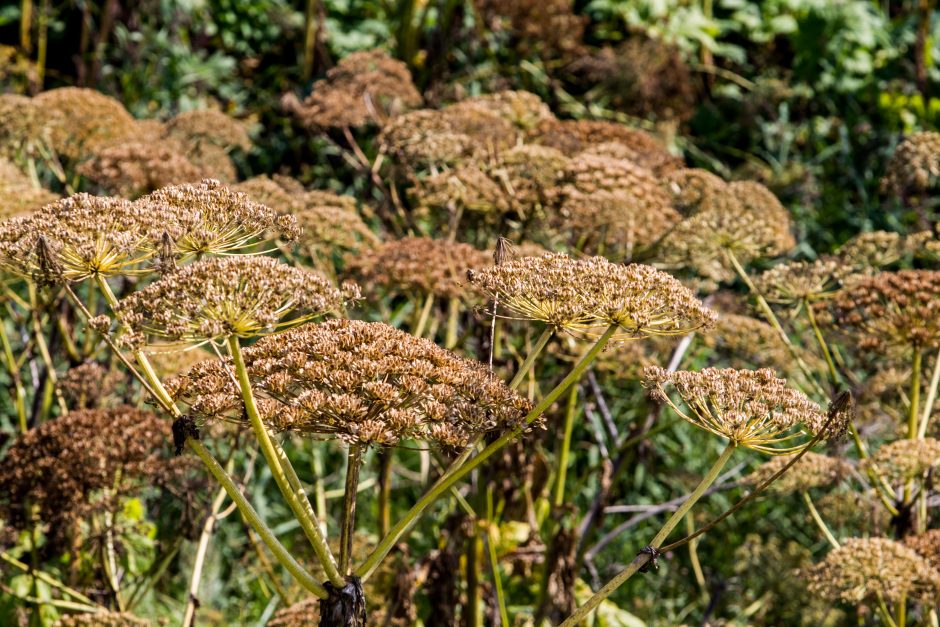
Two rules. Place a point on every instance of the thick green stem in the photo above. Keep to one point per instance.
(915, 394)
(384, 455)
(531, 357)
(422, 322)
(819, 521)
(304, 513)
(931, 399)
(353, 463)
(643, 558)
(281, 554)
(366, 569)
(453, 318)
(823, 346)
(14, 372)
(563, 454)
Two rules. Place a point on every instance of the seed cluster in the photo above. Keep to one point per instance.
(927, 545)
(18, 195)
(365, 87)
(863, 568)
(794, 282)
(590, 293)
(891, 309)
(811, 471)
(240, 296)
(361, 382)
(419, 264)
(915, 164)
(751, 408)
(903, 460)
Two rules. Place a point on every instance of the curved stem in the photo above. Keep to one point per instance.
(303, 512)
(823, 346)
(48, 579)
(531, 357)
(819, 520)
(405, 524)
(931, 399)
(643, 558)
(254, 521)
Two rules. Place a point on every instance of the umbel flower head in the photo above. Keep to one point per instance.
(868, 252)
(209, 218)
(241, 296)
(209, 126)
(522, 109)
(365, 87)
(751, 408)
(811, 471)
(18, 194)
(891, 309)
(915, 164)
(361, 382)
(419, 264)
(582, 295)
(795, 282)
(905, 460)
(102, 619)
(81, 236)
(863, 568)
(132, 168)
(81, 121)
(927, 545)
(80, 463)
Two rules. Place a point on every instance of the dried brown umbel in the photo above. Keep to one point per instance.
(590, 293)
(694, 190)
(523, 109)
(131, 169)
(81, 121)
(752, 225)
(23, 126)
(270, 192)
(811, 471)
(209, 126)
(740, 338)
(18, 194)
(891, 309)
(81, 236)
(80, 463)
(365, 383)
(796, 282)
(863, 569)
(549, 28)
(645, 77)
(365, 87)
(102, 619)
(915, 164)
(209, 218)
(751, 408)
(927, 545)
(613, 206)
(421, 265)
(87, 385)
(872, 251)
(905, 460)
(575, 136)
(241, 296)
(429, 139)
(306, 612)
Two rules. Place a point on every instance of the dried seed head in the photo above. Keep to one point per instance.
(740, 338)
(523, 109)
(906, 460)
(209, 218)
(81, 121)
(751, 408)
(891, 309)
(927, 545)
(752, 224)
(80, 463)
(209, 126)
(546, 27)
(793, 282)
(811, 471)
(365, 87)
(864, 568)
(18, 195)
(586, 294)
(87, 385)
(694, 190)
(240, 296)
(615, 205)
(915, 164)
(872, 251)
(576, 136)
(132, 169)
(102, 619)
(420, 264)
(360, 382)
(84, 236)
(23, 126)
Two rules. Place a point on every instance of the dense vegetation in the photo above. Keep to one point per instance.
(490, 312)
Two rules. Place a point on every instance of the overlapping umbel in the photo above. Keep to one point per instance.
(364, 383)
(588, 294)
(751, 408)
(240, 296)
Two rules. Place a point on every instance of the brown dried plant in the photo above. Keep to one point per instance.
(915, 164)
(811, 471)
(81, 121)
(364, 383)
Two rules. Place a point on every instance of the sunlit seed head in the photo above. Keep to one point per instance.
(870, 252)
(795, 282)
(210, 126)
(131, 169)
(811, 471)
(751, 408)
(239, 296)
(359, 382)
(915, 164)
(906, 460)
(927, 545)
(81, 121)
